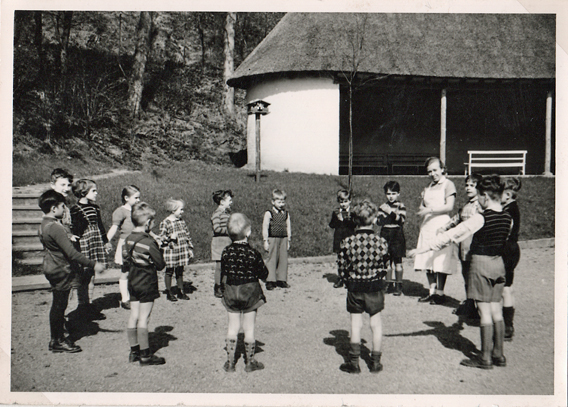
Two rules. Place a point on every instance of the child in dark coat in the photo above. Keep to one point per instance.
(342, 223)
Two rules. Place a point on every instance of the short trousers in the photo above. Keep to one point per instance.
(144, 293)
(396, 241)
(243, 298)
(486, 278)
(218, 243)
(371, 303)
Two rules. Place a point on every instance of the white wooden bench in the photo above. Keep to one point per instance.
(496, 159)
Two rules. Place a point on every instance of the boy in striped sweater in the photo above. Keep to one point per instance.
(486, 278)
(362, 263)
(142, 255)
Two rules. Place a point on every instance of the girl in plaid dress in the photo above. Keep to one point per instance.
(178, 250)
(86, 223)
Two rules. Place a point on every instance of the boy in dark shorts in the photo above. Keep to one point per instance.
(242, 267)
(141, 254)
(392, 215)
(57, 266)
(362, 263)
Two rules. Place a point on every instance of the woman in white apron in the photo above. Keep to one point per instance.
(438, 200)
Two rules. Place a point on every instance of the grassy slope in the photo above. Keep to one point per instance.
(311, 198)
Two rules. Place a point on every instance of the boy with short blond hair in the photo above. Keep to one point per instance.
(277, 233)
(362, 261)
(143, 256)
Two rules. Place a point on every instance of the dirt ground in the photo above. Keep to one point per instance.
(302, 338)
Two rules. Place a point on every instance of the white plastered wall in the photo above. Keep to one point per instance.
(301, 132)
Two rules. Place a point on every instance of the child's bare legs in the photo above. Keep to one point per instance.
(431, 276)
(123, 287)
(352, 364)
(247, 322)
(377, 330)
(398, 273)
(139, 318)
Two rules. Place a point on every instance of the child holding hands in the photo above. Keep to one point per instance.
(122, 222)
(362, 265)
(342, 223)
(486, 278)
(242, 266)
(179, 250)
(87, 224)
(57, 266)
(276, 233)
(142, 253)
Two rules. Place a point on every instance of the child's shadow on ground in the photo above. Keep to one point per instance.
(108, 301)
(449, 337)
(188, 288)
(413, 289)
(160, 338)
(341, 343)
(78, 325)
(331, 277)
(240, 349)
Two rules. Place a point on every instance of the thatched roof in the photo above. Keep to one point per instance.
(498, 46)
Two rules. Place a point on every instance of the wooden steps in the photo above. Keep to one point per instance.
(26, 217)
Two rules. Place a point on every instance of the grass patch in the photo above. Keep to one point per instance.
(311, 199)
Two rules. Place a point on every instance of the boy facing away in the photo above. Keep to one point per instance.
(276, 233)
(362, 263)
(242, 267)
(142, 255)
(392, 215)
(57, 266)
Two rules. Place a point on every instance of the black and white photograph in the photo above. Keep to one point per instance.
(340, 203)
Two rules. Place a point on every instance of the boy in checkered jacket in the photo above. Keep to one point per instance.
(362, 262)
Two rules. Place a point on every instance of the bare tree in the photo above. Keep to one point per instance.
(63, 21)
(351, 60)
(143, 41)
(229, 49)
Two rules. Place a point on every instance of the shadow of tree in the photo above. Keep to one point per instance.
(448, 336)
(160, 338)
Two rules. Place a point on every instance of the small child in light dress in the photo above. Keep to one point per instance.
(179, 249)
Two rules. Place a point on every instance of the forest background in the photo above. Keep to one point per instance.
(129, 89)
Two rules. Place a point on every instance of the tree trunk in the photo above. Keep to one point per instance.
(143, 41)
(350, 164)
(64, 40)
(229, 91)
(38, 41)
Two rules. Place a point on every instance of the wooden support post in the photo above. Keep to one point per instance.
(257, 134)
(548, 136)
(443, 109)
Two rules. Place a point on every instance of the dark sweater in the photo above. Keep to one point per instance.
(343, 228)
(512, 208)
(362, 261)
(82, 215)
(146, 258)
(242, 264)
(490, 239)
(59, 254)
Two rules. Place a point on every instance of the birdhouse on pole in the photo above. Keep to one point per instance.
(258, 108)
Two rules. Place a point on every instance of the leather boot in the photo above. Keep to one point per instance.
(498, 337)
(486, 348)
(352, 365)
(134, 354)
(376, 367)
(231, 347)
(147, 358)
(250, 363)
(398, 284)
(170, 296)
